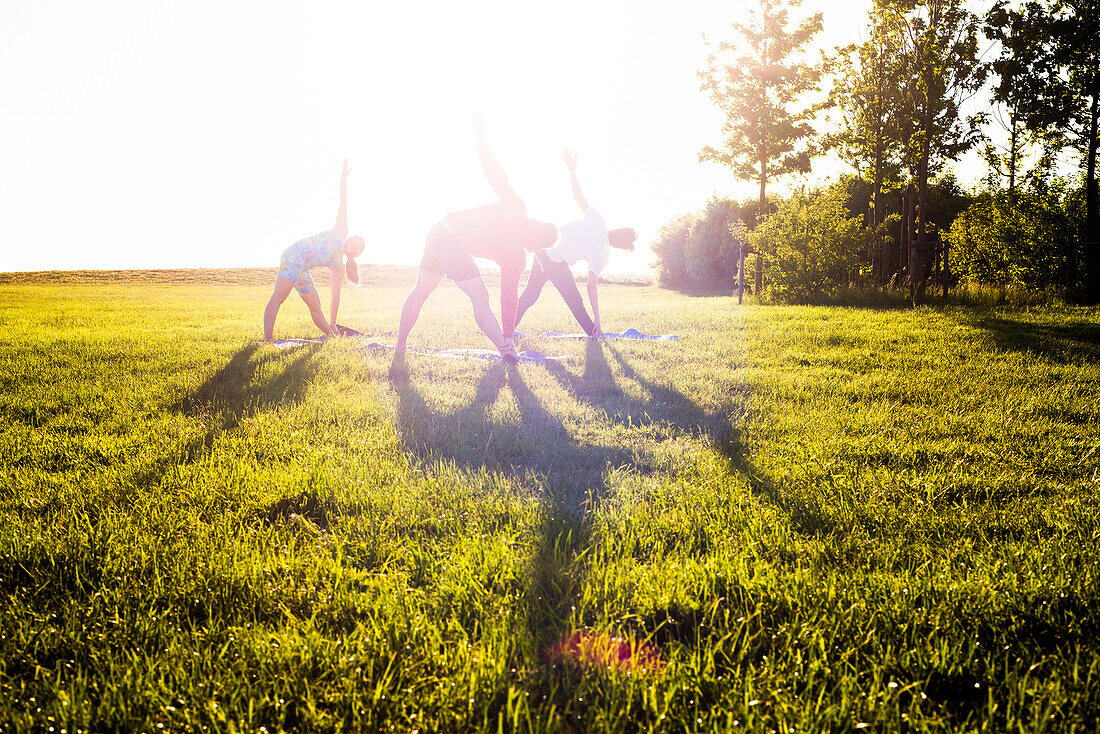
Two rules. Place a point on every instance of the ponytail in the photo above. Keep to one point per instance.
(352, 270)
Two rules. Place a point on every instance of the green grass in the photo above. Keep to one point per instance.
(819, 518)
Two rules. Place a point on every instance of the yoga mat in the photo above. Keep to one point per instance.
(288, 343)
(628, 334)
(528, 356)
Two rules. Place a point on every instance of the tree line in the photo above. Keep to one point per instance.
(901, 109)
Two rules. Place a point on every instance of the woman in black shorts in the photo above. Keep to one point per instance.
(501, 232)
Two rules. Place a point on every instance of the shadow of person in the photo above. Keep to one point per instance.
(664, 405)
(235, 392)
(471, 437)
(667, 405)
(573, 473)
(596, 387)
(574, 477)
(661, 404)
(571, 468)
(462, 436)
(538, 449)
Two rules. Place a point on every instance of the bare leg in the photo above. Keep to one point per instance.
(283, 287)
(483, 315)
(313, 301)
(531, 292)
(562, 278)
(426, 282)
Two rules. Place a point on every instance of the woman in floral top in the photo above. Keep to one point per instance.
(331, 249)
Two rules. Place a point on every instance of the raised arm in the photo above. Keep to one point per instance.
(570, 159)
(341, 227)
(490, 165)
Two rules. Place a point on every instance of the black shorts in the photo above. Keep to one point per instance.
(443, 255)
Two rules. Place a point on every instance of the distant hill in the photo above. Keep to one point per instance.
(376, 275)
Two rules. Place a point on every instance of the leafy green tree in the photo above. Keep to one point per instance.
(939, 56)
(1063, 78)
(701, 250)
(1020, 239)
(669, 248)
(816, 246)
(982, 251)
(1015, 86)
(713, 246)
(872, 122)
(760, 81)
(946, 200)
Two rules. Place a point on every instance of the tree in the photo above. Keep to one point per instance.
(872, 123)
(939, 52)
(816, 245)
(713, 245)
(1016, 86)
(701, 250)
(978, 238)
(1064, 78)
(1020, 239)
(759, 81)
(669, 248)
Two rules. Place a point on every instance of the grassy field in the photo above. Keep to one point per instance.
(795, 519)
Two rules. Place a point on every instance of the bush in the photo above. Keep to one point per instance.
(701, 250)
(1024, 240)
(812, 247)
(669, 249)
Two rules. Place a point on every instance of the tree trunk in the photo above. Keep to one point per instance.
(876, 203)
(1092, 214)
(922, 182)
(760, 220)
(946, 269)
(741, 274)
(1013, 154)
(919, 265)
(887, 251)
(906, 231)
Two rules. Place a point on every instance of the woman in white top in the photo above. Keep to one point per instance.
(586, 239)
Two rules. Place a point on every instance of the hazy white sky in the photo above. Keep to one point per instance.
(210, 134)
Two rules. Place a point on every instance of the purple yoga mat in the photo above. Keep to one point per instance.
(528, 356)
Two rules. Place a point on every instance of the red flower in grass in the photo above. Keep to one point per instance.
(598, 650)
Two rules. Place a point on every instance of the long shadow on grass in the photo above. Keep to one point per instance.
(233, 392)
(539, 450)
(227, 397)
(237, 391)
(1066, 342)
(224, 399)
(667, 406)
(539, 447)
(572, 474)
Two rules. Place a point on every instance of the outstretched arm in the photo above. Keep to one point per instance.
(341, 227)
(594, 300)
(571, 163)
(490, 165)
